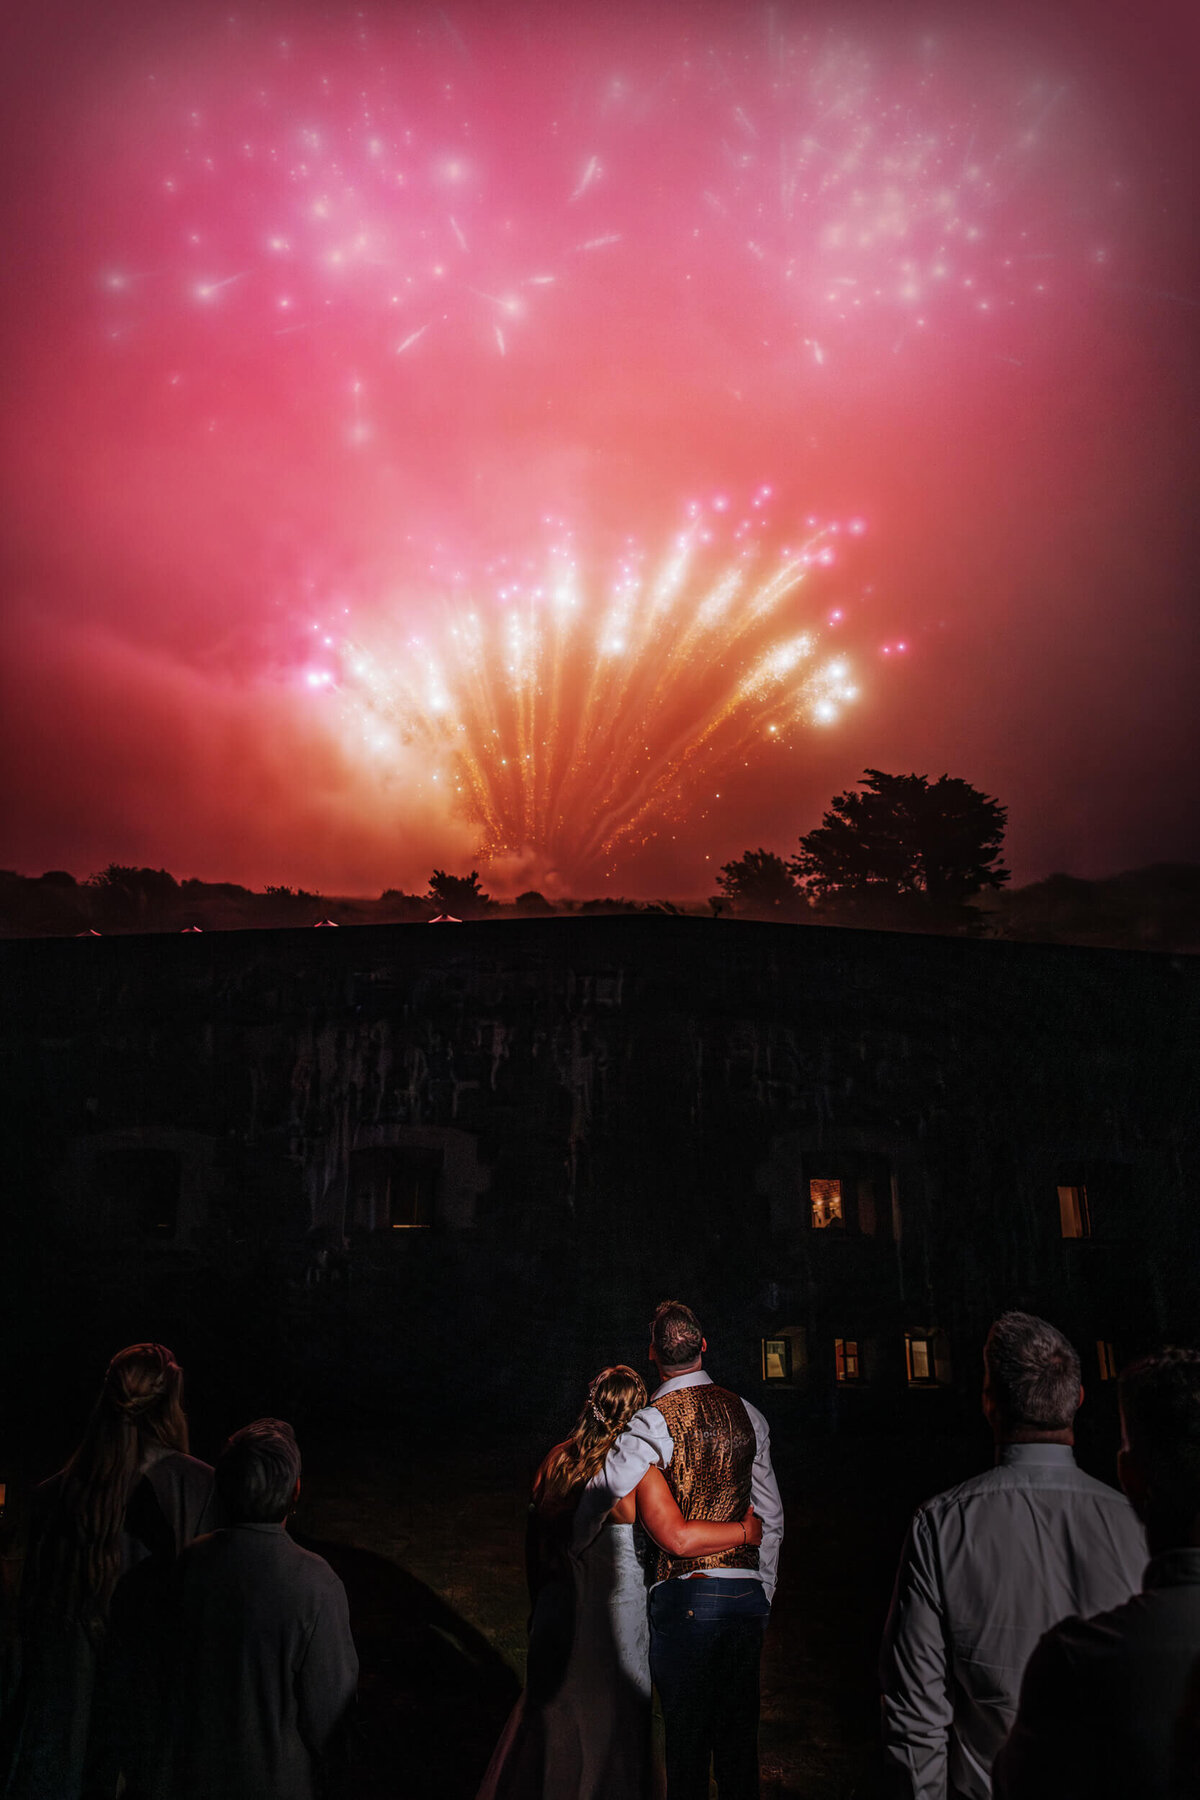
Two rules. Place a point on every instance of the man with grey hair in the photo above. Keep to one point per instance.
(992, 1564)
(1109, 1704)
(259, 1667)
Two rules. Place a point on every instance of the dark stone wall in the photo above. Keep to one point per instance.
(573, 1117)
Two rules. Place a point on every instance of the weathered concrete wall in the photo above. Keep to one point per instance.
(528, 1131)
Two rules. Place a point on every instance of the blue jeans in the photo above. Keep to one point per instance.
(706, 1638)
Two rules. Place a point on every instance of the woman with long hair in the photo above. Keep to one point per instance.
(581, 1729)
(130, 1491)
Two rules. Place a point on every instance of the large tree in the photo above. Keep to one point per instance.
(905, 835)
(760, 882)
(459, 895)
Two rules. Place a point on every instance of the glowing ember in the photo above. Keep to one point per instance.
(567, 722)
(302, 291)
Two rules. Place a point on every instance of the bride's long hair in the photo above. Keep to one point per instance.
(78, 1559)
(613, 1398)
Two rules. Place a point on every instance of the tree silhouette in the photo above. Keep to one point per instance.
(906, 837)
(532, 904)
(459, 895)
(761, 882)
(124, 895)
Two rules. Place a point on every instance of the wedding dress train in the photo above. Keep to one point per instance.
(581, 1729)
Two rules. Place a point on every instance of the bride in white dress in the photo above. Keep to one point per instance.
(581, 1729)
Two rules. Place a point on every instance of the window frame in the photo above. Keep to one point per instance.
(794, 1338)
(425, 1166)
(781, 1344)
(936, 1350)
(833, 1223)
(1073, 1209)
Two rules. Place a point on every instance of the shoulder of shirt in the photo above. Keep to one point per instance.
(649, 1416)
(697, 1387)
(307, 1564)
(761, 1427)
(322, 1573)
(1004, 1479)
(178, 1462)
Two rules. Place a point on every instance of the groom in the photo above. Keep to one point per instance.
(707, 1614)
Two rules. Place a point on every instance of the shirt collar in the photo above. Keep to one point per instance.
(1048, 1455)
(693, 1378)
(1173, 1568)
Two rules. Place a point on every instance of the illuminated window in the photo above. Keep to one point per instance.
(927, 1357)
(1107, 1360)
(785, 1357)
(1073, 1212)
(845, 1352)
(920, 1358)
(825, 1198)
(394, 1188)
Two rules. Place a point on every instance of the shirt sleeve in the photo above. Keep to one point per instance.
(764, 1493)
(914, 1672)
(645, 1443)
(326, 1682)
(1050, 1752)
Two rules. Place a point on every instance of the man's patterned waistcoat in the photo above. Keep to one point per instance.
(709, 1470)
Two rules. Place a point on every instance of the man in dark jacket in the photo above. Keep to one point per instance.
(260, 1668)
(1108, 1704)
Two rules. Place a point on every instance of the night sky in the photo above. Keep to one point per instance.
(577, 440)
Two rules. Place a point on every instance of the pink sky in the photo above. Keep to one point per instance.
(367, 368)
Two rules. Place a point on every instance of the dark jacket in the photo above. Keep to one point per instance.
(259, 1670)
(56, 1730)
(1104, 1700)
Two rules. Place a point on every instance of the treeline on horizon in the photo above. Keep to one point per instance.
(1154, 908)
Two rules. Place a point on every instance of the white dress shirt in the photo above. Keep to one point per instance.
(988, 1567)
(646, 1443)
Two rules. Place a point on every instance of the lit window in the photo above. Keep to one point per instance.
(394, 1188)
(1106, 1358)
(785, 1357)
(845, 1351)
(1073, 1212)
(826, 1200)
(927, 1356)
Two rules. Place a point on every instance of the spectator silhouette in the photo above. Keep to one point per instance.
(260, 1668)
(129, 1492)
(1108, 1704)
(989, 1565)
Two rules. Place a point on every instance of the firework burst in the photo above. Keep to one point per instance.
(568, 724)
(869, 189)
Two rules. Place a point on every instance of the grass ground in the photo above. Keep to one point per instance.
(429, 1540)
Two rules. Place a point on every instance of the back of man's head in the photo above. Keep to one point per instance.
(1160, 1409)
(257, 1472)
(675, 1335)
(1032, 1375)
